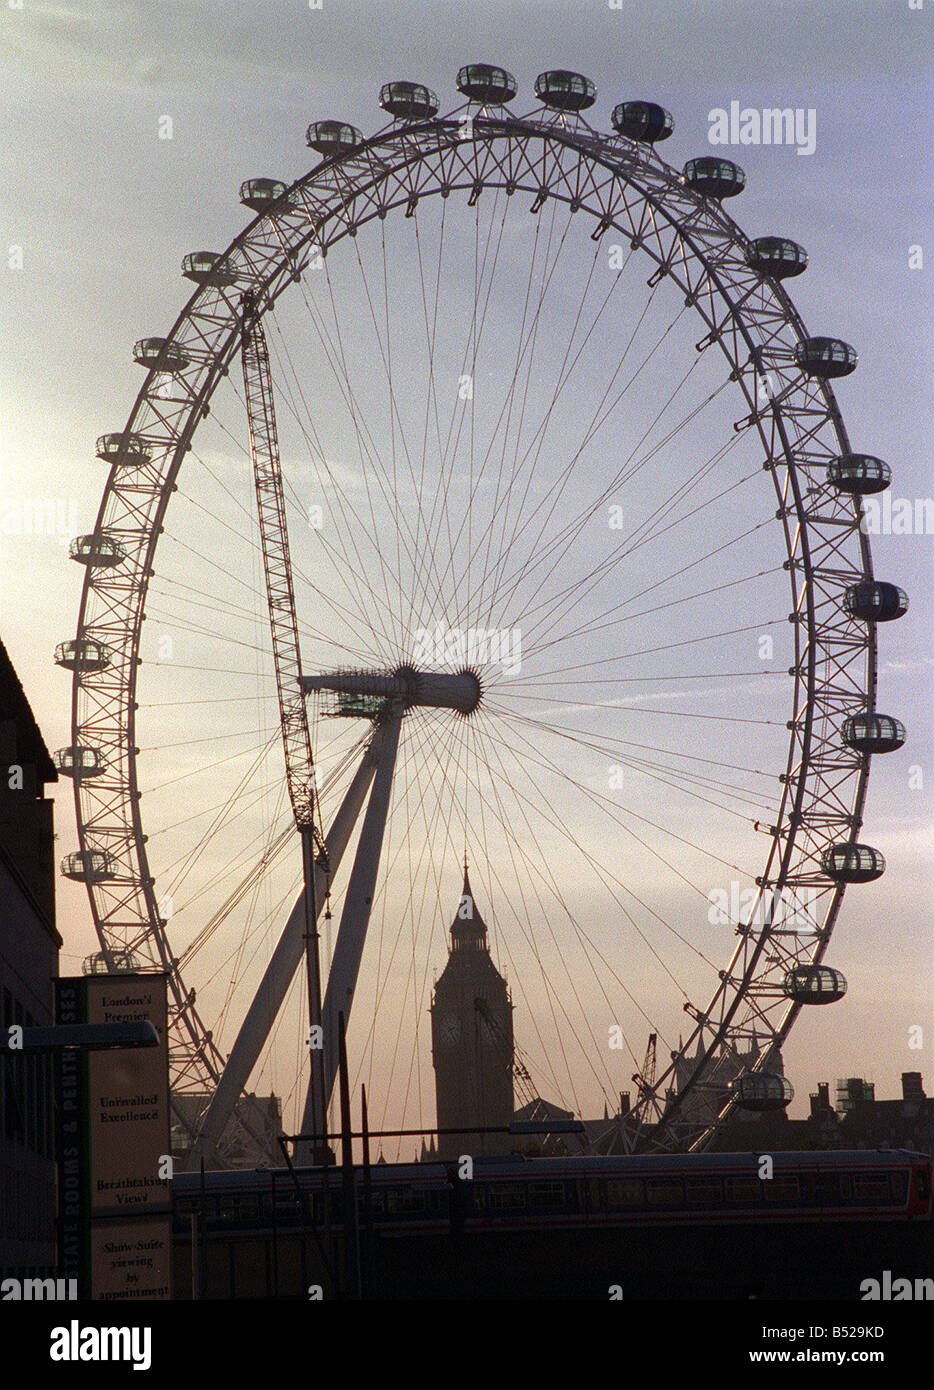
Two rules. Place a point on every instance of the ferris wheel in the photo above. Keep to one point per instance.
(532, 535)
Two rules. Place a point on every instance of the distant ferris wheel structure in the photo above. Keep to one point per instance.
(610, 186)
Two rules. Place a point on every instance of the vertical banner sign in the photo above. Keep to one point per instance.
(120, 1147)
(72, 1142)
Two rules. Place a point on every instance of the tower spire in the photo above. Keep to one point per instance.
(468, 928)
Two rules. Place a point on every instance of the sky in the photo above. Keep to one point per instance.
(97, 214)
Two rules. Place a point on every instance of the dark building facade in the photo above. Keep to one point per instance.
(471, 1040)
(29, 946)
(858, 1121)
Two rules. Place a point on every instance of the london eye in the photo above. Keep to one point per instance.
(487, 499)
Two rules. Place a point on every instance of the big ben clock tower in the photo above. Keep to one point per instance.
(471, 1040)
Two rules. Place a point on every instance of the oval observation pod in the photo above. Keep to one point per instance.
(258, 194)
(332, 138)
(160, 355)
(121, 962)
(849, 862)
(207, 268)
(408, 101)
(89, 865)
(762, 1090)
(565, 91)
(713, 177)
(873, 733)
(777, 257)
(859, 474)
(875, 601)
(82, 654)
(826, 358)
(642, 120)
(130, 449)
(97, 551)
(489, 85)
(814, 984)
(79, 760)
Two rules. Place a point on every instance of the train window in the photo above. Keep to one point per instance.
(743, 1190)
(227, 1208)
(503, 1195)
(546, 1194)
(663, 1192)
(868, 1186)
(899, 1183)
(924, 1183)
(781, 1189)
(624, 1192)
(699, 1192)
(399, 1200)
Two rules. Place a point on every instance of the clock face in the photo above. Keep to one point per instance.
(450, 1029)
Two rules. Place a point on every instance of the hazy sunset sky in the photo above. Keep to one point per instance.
(98, 211)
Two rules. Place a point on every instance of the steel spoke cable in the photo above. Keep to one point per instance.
(503, 686)
(177, 871)
(610, 808)
(589, 433)
(505, 497)
(482, 845)
(512, 388)
(595, 625)
(565, 373)
(384, 347)
(633, 542)
(605, 747)
(535, 874)
(613, 806)
(352, 568)
(474, 335)
(314, 446)
(588, 945)
(557, 548)
(560, 897)
(390, 495)
(369, 461)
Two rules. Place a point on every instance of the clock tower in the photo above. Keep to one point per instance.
(471, 1040)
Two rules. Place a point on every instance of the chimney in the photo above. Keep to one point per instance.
(912, 1088)
(820, 1103)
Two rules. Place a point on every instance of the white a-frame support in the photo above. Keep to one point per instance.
(282, 966)
(355, 918)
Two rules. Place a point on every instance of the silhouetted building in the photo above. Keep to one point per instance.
(611, 1135)
(704, 1102)
(29, 946)
(539, 1111)
(251, 1136)
(853, 1091)
(471, 1040)
(861, 1123)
